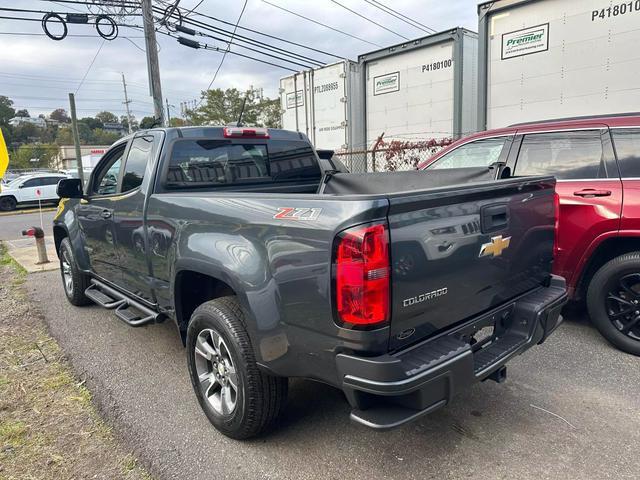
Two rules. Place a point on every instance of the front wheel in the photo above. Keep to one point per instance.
(613, 301)
(73, 280)
(239, 399)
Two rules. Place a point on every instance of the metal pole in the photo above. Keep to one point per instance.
(126, 103)
(168, 114)
(153, 65)
(76, 137)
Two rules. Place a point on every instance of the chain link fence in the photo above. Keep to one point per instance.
(391, 156)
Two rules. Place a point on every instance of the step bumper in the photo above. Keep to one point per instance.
(393, 389)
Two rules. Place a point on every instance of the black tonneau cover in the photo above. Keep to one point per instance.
(406, 181)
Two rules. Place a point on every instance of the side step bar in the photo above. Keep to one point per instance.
(126, 309)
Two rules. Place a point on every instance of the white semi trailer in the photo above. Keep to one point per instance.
(545, 59)
(421, 89)
(322, 103)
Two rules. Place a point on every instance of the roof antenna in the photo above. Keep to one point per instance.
(244, 102)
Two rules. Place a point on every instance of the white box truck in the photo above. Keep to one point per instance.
(546, 59)
(421, 89)
(322, 103)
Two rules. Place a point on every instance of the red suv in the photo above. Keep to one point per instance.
(596, 161)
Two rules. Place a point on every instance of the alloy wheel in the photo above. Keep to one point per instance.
(217, 375)
(67, 273)
(623, 305)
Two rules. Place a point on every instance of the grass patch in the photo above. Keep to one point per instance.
(49, 428)
(12, 433)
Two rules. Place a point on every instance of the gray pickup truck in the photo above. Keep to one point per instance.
(275, 263)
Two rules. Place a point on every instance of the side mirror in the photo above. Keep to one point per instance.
(69, 188)
(21, 185)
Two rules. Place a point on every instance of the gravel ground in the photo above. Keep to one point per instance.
(569, 409)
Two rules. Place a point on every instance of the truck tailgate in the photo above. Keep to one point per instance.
(457, 252)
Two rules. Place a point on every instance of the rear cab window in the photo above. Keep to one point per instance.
(226, 163)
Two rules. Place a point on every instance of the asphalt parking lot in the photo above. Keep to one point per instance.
(569, 409)
(12, 223)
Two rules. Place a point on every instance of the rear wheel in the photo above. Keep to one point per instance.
(73, 280)
(239, 399)
(613, 301)
(7, 204)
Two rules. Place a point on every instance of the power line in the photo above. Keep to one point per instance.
(90, 65)
(406, 19)
(280, 39)
(230, 42)
(322, 24)
(193, 44)
(250, 41)
(368, 19)
(224, 55)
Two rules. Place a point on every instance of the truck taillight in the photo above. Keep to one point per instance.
(556, 230)
(361, 276)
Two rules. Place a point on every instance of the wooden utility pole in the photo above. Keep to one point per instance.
(76, 137)
(126, 103)
(153, 65)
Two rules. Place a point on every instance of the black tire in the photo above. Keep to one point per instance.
(7, 204)
(612, 278)
(260, 398)
(79, 281)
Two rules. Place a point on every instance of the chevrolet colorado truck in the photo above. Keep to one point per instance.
(596, 161)
(274, 263)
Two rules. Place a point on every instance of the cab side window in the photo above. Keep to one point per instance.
(106, 180)
(139, 155)
(565, 155)
(627, 143)
(480, 153)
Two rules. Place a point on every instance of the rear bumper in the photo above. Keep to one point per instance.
(390, 390)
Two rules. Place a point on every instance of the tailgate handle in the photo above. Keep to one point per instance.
(494, 218)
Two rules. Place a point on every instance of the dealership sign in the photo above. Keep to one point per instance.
(525, 42)
(387, 83)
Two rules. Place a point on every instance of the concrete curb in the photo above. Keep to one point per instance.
(22, 212)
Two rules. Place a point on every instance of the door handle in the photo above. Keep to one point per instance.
(592, 192)
(106, 214)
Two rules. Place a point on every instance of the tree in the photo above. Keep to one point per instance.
(221, 107)
(91, 122)
(147, 122)
(60, 114)
(107, 117)
(23, 113)
(7, 112)
(44, 153)
(64, 136)
(124, 121)
(270, 113)
(102, 137)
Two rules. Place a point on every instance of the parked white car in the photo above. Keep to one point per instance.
(29, 189)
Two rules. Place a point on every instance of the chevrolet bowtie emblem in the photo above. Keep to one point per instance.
(495, 246)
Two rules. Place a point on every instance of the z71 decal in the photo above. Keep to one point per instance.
(290, 213)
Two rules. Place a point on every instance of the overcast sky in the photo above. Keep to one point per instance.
(37, 73)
